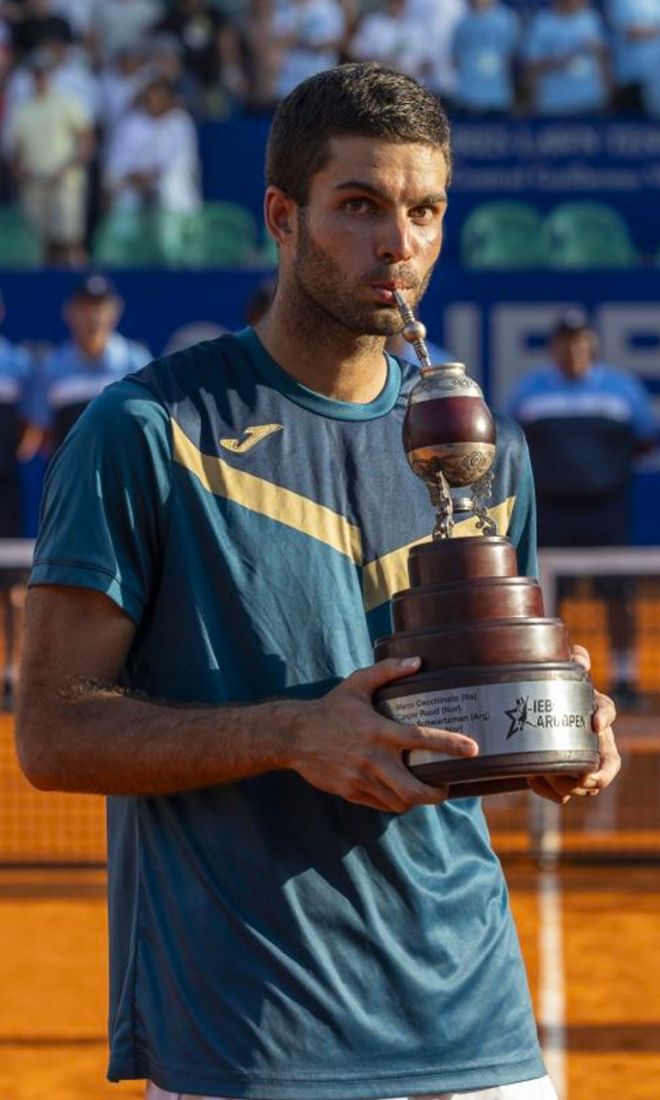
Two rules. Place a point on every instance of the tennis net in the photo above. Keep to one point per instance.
(53, 829)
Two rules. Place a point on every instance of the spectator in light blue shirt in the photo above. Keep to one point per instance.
(567, 59)
(484, 44)
(79, 369)
(636, 28)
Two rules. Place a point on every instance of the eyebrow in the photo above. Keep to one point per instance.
(360, 185)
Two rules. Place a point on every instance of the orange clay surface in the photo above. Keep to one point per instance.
(53, 978)
(53, 936)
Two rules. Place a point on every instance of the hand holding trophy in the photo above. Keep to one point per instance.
(493, 666)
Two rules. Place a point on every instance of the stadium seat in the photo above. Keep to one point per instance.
(220, 234)
(127, 239)
(20, 246)
(587, 235)
(502, 234)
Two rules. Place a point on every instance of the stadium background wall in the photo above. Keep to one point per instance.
(495, 322)
(538, 161)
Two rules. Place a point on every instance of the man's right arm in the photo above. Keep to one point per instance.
(77, 731)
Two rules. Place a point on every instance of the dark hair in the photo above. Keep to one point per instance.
(362, 98)
(572, 322)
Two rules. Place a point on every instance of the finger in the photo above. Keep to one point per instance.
(561, 784)
(540, 785)
(411, 790)
(604, 714)
(367, 680)
(568, 785)
(610, 763)
(429, 739)
(392, 797)
(360, 798)
(581, 656)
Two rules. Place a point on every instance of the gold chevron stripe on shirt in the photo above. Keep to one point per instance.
(389, 574)
(273, 501)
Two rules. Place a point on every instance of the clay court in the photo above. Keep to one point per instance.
(588, 919)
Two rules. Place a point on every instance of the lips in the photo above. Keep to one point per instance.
(385, 291)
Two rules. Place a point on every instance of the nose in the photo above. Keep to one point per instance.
(395, 242)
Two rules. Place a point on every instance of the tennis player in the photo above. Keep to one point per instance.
(293, 915)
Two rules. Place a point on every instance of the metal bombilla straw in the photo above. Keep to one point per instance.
(413, 331)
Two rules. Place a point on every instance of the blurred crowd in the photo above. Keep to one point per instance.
(99, 99)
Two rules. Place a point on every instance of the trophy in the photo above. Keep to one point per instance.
(493, 666)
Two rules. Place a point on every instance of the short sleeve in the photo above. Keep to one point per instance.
(643, 420)
(106, 498)
(36, 406)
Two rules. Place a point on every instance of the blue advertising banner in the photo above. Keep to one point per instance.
(544, 162)
(496, 323)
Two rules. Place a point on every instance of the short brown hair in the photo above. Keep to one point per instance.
(362, 98)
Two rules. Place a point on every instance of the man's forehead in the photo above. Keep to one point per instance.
(353, 156)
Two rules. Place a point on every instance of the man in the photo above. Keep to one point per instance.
(309, 35)
(209, 45)
(51, 142)
(80, 368)
(122, 24)
(636, 39)
(153, 159)
(36, 23)
(484, 48)
(567, 59)
(585, 424)
(293, 914)
(394, 37)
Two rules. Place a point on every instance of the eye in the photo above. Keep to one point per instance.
(425, 214)
(360, 206)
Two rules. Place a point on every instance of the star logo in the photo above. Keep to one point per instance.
(518, 715)
(251, 437)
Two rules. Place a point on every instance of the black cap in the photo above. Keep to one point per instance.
(94, 287)
(571, 322)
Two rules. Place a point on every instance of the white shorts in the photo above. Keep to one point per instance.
(539, 1089)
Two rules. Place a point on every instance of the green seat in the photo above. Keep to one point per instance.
(20, 246)
(499, 234)
(220, 234)
(127, 239)
(587, 235)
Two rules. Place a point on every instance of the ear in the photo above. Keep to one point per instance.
(280, 213)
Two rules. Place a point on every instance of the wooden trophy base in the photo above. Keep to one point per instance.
(493, 667)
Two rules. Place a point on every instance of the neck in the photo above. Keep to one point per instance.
(323, 354)
(94, 348)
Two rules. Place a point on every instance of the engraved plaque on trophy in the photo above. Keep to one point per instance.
(493, 666)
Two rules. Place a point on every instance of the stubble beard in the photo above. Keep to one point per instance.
(323, 292)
